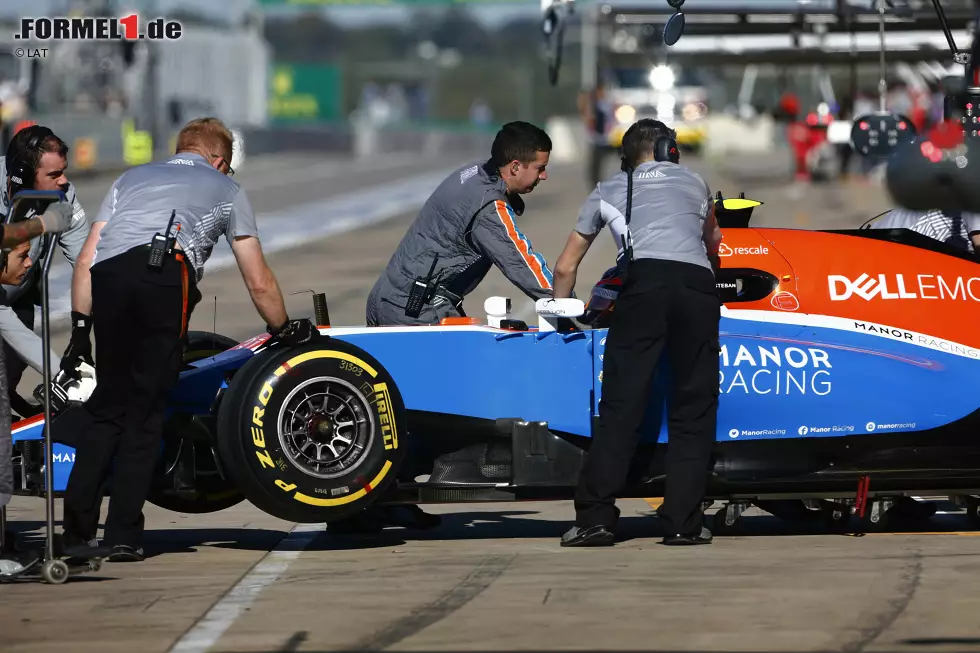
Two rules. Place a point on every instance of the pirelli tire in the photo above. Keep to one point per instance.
(312, 434)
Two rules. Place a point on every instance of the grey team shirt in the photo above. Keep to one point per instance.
(208, 204)
(25, 342)
(669, 218)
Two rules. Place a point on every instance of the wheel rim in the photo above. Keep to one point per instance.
(326, 427)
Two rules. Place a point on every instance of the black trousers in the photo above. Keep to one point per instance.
(139, 317)
(664, 305)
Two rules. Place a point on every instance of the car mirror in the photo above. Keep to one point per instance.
(551, 310)
(880, 134)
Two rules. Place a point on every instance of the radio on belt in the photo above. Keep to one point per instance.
(162, 244)
(421, 292)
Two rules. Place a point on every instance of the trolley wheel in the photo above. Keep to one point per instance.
(54, 572)
(726, 520)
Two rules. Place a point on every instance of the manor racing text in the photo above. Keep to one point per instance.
(777, 370)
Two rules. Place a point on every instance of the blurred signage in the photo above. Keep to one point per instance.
(304, 93)
(137, 145)
(85, 153)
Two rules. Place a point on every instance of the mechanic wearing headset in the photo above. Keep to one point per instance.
(56, 219)
(147, 248)
(668, 301)
(35, 159)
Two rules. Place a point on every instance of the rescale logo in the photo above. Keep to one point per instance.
(726, 250)
(868, 287)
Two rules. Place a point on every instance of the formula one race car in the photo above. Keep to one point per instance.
(847, 364)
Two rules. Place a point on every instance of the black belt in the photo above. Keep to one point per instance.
(178, 255)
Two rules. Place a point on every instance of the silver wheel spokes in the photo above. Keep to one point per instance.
(325, 428)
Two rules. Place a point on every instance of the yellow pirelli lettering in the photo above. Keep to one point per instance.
(383, 401)
(265, 459)
(286, 487)
(258, 438)
(257, 414)
(313, 501)
(265, 393)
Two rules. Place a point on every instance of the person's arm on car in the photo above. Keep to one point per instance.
(243, 236)
(711, 235)
(587, 227)
(80, 345)
(260, 281)
(496, 236)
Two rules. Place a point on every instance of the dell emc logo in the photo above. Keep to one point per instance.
(868, 287)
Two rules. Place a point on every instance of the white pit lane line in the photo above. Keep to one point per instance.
(206, 632)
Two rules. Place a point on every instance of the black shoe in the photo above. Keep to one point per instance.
(408, 516)
(66, 547)
(124, 553)
(704, 537)
(362, 523)
(592, 536)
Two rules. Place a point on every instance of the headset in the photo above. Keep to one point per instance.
(20, 172)
(664, 149)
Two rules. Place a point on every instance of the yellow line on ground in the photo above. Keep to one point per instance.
(964, 533)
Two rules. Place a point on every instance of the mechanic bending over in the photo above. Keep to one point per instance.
(468, 224)
(139, 297)
(36, 159)
(668, 301)
(56, 219)
(961, 230)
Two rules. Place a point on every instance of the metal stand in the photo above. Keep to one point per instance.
(46, 376)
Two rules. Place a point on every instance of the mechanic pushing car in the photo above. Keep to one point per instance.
(36, 159)
(668, 255)
(136, 284)
(18, 235)
(468, 224)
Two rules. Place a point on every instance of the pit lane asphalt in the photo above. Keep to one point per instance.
(493, 577)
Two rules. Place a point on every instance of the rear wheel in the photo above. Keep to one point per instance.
(314, 433)
(189, 441)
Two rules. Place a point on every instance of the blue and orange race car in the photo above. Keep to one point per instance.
(847, 366)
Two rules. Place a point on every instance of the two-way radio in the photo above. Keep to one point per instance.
(162, 244)
(421, 292)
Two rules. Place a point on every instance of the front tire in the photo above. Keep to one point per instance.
(312, 434)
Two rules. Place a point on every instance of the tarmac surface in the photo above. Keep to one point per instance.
(492, 576)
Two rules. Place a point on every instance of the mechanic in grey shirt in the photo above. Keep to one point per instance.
(141, 312)
(35, 159)
(668, 301)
